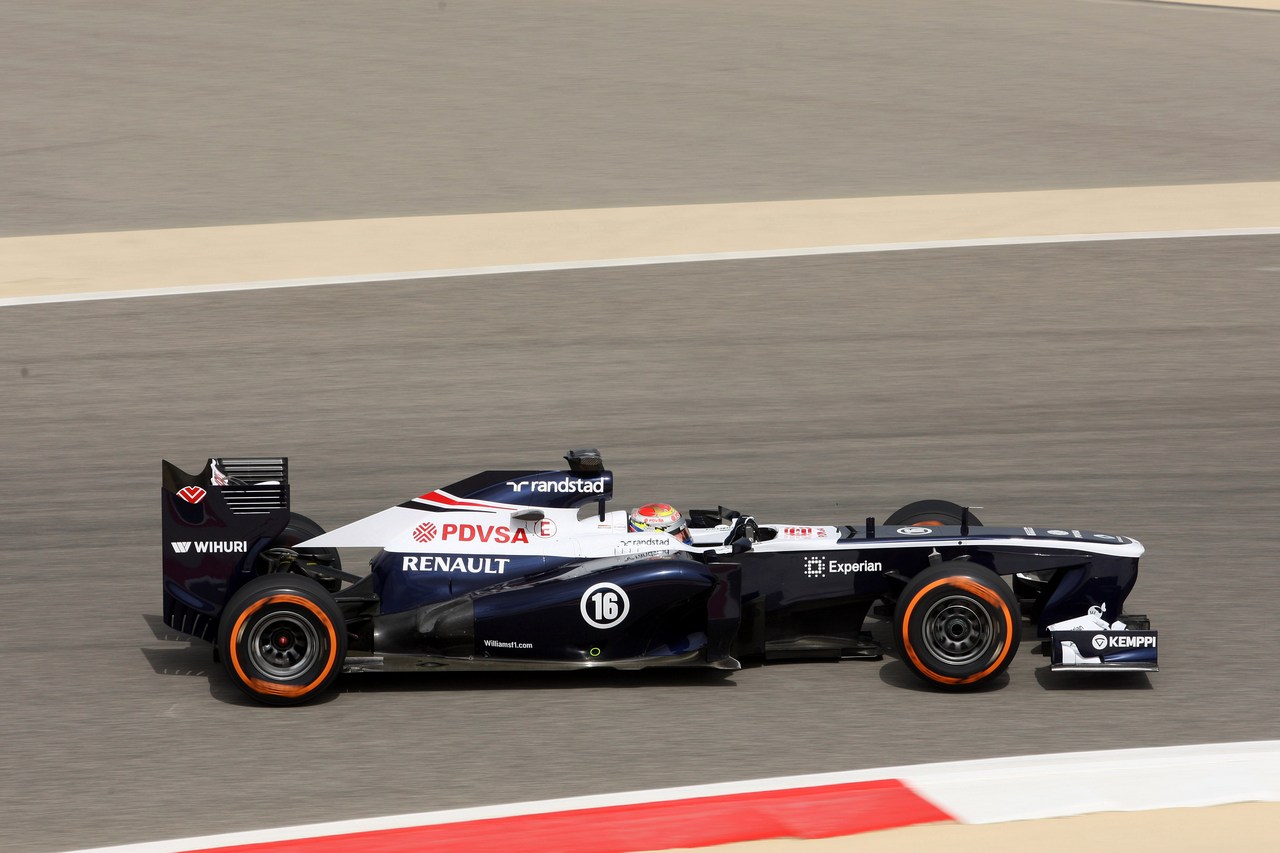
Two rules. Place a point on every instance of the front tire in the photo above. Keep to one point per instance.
(931, 513)
(282, 639)
(957, 625)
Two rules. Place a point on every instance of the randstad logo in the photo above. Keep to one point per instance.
(575, 487)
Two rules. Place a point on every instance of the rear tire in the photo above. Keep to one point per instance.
(957, 625)
(932, 513)
(282, 639)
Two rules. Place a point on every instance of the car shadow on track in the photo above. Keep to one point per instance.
(185, 656)
(182, 654)
(1051, 680)
(895, 674)
(162, 631)
(591, 679)
(194, 660)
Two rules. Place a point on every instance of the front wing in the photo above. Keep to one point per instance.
(1104, 649)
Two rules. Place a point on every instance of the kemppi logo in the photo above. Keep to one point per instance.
(428, 532)
(1122, 641)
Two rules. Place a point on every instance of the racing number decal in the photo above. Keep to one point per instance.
(604, 605)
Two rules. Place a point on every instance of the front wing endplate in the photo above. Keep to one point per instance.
(1104, 649)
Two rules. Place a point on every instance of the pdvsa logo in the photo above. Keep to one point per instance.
(428, 532)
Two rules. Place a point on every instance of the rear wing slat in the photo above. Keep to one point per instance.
(214, 524)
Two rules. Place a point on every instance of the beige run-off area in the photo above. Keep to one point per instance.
(193, 257)
(1236, 827)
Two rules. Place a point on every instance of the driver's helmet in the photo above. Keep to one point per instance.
(659, 518)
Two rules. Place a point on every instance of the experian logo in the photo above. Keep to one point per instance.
(816, 567)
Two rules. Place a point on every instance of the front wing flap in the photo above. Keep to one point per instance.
(1104, 649)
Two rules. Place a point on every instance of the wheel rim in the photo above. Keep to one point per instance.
(958, 630)
(283, 645)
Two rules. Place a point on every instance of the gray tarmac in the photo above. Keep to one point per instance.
(142, 114)
(1127, 387)
(1117, 386)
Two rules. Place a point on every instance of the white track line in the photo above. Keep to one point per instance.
(1041, 786)
(1230, 5)
(984, 791)
(601, 263)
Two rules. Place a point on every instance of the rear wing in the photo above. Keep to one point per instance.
(214, 524)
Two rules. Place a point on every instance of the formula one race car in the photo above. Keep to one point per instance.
(528, 570)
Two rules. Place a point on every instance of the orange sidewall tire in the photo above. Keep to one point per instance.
(302, 598)
(1006, 619)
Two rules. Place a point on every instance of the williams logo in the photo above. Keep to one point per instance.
(192, 494)
(210, 547)
(816, 567)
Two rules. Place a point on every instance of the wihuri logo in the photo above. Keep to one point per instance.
(211, 547)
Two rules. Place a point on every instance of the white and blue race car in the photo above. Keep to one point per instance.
(529, 569)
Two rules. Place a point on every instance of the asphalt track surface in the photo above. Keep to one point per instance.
(1123, 386)
(819, 389)
(134, 115)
